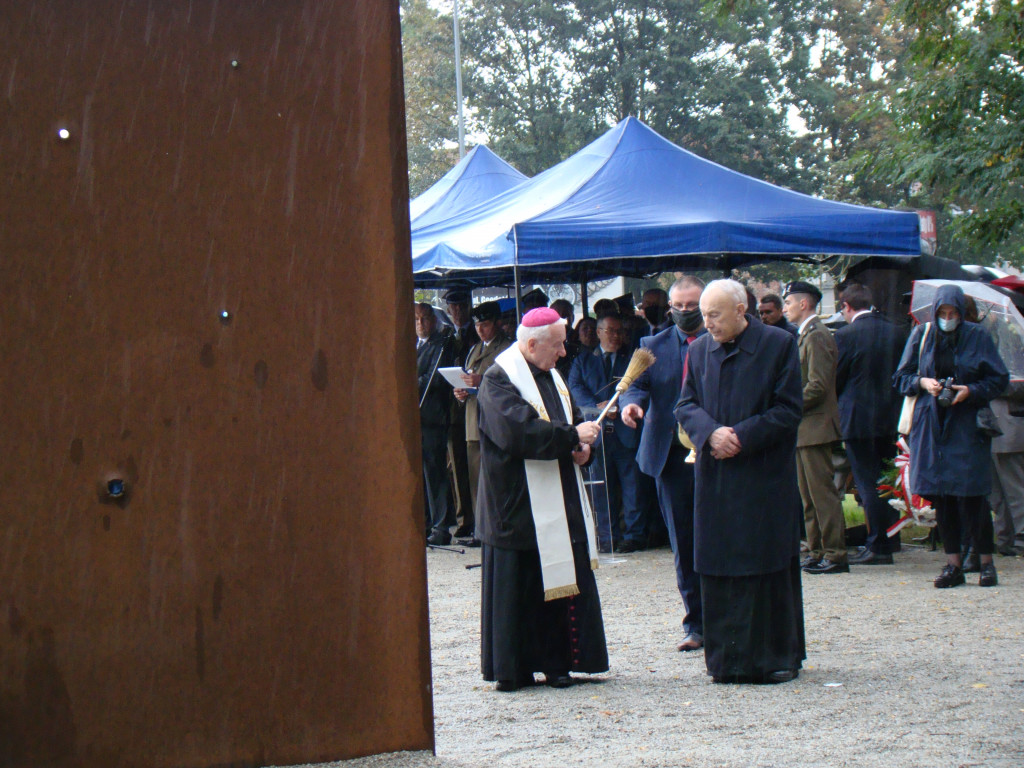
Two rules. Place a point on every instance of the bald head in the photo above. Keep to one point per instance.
(723, 305)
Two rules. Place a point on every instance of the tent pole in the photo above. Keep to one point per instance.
(515, 276)
(584, 296)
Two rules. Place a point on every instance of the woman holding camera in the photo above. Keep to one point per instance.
(953, 367)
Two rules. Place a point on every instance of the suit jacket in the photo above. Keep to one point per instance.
(436, 352)
(479, 359)
(589, 386)
(656, 390)
(746, 508)
(818, 358)
(869, 352)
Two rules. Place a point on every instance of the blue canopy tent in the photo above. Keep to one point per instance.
(633, 203)
(477, 177)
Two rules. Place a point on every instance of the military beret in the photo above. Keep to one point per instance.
(535, 295)
(489, 310)
(800, 286)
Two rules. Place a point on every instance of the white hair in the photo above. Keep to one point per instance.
(731, 288)
(539, 332)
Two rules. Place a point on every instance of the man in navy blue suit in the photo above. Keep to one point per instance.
(661, 455)
(869, 353)
(592, 381)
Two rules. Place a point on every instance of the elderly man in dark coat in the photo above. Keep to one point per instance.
(540, 611)
(741, 406)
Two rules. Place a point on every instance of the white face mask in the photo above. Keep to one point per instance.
(948, 325)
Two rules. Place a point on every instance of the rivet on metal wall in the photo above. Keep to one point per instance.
(234, 64)
(225, 317)
(64, 134)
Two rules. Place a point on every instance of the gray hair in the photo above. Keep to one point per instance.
(731, 288)
(687, 281)
(540, 332)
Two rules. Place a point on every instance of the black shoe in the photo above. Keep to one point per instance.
(872, 558)
(988, 576)
(631, 545)
(1008, 551)
(827, 566)
(439, 538)
(514, 685)
(809, 561)
(557, 680)
(972, 564)
(692, 642)
(472, 541)
(781, 676)
(951, 576)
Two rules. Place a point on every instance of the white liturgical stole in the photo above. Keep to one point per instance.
(544, 484)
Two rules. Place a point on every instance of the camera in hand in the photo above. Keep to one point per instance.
(946, 396)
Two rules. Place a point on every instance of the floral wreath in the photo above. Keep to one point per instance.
(896, 486)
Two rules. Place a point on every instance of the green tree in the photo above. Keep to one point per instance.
(430, 110)
(859, 58)
(959, 118)
(548, 77)
(516, 74)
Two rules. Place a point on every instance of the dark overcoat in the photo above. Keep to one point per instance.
(949, 456)
(869, 353)
(746, 515)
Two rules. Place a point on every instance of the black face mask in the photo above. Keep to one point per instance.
(654, 314)
(687, 322)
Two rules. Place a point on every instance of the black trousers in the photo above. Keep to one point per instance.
(866, 456)
(675, 494)
(435, 476)
(954, 513)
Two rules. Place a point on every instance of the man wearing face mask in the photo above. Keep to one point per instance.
(654, 308)
(661, 455)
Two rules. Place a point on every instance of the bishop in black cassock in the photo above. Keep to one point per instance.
(531, 621)
(741, 405)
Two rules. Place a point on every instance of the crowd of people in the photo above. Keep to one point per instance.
(745, 402)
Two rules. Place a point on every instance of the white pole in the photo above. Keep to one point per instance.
(458, 84)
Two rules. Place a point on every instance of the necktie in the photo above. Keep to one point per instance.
(608, 366)
(686, 360)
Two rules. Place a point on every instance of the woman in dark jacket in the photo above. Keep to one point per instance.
(949, 456)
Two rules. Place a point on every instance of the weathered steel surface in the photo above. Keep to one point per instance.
(256, 594)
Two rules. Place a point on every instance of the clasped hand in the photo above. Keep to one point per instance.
(724, 443)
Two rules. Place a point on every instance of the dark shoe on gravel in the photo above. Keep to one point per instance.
(988, 576)
(951, 576)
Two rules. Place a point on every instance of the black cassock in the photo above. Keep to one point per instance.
(520, 632)
(746, 517)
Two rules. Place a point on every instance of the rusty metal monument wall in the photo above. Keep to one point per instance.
(210, 501)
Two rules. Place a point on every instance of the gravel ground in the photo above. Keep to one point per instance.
(898, 674)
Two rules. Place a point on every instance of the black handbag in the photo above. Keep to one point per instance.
(987, 422)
